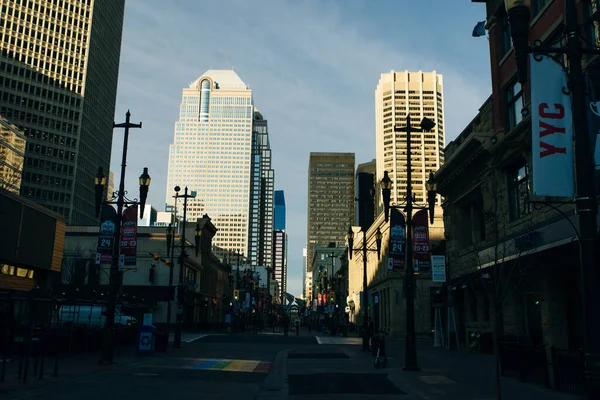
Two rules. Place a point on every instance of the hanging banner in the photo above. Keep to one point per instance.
(552, 130)
(438, 269)
(129, 236)
(106, 236)
(421, 247)
(397, 243)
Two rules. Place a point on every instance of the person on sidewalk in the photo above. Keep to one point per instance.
(370, 330)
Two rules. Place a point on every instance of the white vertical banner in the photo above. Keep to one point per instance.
(552, 130)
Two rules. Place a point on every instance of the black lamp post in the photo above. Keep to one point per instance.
(182, 257)
(410, 355)
(118, 198)
(519, 14)
(365, 250)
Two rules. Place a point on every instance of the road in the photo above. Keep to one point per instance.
(212, 367)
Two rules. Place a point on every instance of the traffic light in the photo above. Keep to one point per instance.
(236, 295)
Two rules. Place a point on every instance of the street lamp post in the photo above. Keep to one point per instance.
(118, 198)
(365, 251)
(410, 355)
(182, 256)
(519, 15)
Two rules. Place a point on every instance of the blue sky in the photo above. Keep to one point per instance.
(313, 66)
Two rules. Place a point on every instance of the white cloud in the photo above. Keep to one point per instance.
(313, 72)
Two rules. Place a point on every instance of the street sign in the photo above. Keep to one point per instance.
(438, 269)
(376, 298)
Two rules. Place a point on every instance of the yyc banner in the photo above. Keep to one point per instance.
(552, 130)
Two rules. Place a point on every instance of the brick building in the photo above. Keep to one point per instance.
(496, 237)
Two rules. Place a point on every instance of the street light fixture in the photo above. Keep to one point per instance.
(117, 198)
(99, 182)
(365, 250)
(519, 14)
(182, 256)
(410, 355)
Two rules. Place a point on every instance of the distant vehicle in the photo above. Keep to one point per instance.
(91, 316)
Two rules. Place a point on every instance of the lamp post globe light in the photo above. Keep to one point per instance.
(117, 198)
(410, 354)
(365, 296)
(519, 15)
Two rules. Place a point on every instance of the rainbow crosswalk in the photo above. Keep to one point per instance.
(216, 364)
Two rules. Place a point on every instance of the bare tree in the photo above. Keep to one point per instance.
(504, 255)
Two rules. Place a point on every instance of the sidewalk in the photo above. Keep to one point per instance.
(68, 367)
(344, 371)
(459, 375)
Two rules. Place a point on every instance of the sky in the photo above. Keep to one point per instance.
(313, 66)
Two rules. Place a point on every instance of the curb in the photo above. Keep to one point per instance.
(275, 385)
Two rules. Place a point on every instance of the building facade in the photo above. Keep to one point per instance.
(212, 155)
(280, 261)
(58, 85)
(12, 155)
(279, 210)
(418, 94)
(262, 181)
(330, 199)
(145, 287)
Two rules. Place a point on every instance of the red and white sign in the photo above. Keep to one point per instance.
(421, 236)
(552, 130)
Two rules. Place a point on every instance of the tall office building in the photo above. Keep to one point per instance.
(280, 262)
(366, 194)
(279, 210)
(330, 199)
(262, 180)
(419, 94)
(58, 85)
(212, 153)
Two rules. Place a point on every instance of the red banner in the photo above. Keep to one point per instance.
(129, 236)
(421, 247)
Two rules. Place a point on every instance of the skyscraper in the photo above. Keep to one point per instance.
(280, 262)
(58, 85)
(212, 153)
(366, 194)
(279, 210)
(419, 94)
(330, 199)
(12, 153)
(262, 180)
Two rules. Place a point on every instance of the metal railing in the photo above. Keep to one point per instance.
(568, 369)
(524, 361)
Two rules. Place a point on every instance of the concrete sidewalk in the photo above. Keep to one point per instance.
(343, 371)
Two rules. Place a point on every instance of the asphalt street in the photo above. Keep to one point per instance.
(231, 367)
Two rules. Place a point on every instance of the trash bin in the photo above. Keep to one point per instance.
(161, 342)
(145, 340)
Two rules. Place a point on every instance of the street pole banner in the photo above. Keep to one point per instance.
(421, 246)
(106, 236)
(129, 236)
(593, 115)
(397, 240)
(552, 130)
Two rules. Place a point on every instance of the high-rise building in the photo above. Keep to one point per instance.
(280, 262)
(262, 181)
(419, 94)
(58, 85)
(279, 210)
(12, 153)
(211, 155)
(366, 194)
(330, 199)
